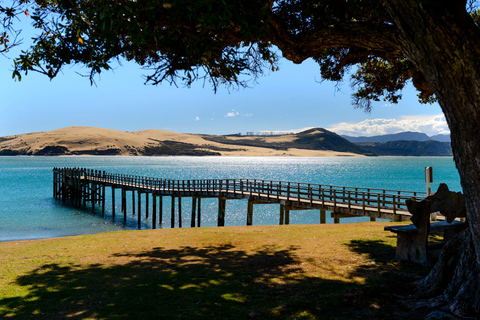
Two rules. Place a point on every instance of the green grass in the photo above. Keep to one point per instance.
(271, 272)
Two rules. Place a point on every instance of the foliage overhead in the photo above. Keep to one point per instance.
(8, 15)
(224, 42)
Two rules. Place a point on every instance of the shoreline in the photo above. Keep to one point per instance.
(219, 156)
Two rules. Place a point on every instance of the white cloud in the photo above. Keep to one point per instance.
(431, 125)
(234, 113)
(197, 118)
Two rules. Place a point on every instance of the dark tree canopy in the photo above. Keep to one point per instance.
(225, 42)
(383, 44)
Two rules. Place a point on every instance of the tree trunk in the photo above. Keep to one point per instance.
(444, 43)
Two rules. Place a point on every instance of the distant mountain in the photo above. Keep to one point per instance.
(441, 137)
(312, 139)
(100, 141)
(402, 136)
(409, 148)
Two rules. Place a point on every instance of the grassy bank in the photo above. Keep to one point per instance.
(270, 272)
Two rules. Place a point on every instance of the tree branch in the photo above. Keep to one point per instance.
(366, 36)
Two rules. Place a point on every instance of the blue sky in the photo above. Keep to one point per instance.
(288, 100)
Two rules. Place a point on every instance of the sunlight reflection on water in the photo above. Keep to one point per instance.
(27, 209)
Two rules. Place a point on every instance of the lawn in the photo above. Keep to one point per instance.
(340, 271)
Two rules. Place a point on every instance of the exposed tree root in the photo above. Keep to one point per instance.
(455, 279)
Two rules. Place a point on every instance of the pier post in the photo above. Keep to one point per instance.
(336, 218)
(78, 202)
(64, 186)
(139, 209)
(172, 222)
(113, 203)
(194, 209)
(93, 197)
(84, 192)
(80, 189)
(124, 200)
(160, 210)
(146, 205)
(55, 174)
(154, 211)
(287, 214)
(72, 189)
(322, 216)
(199, 207)
(103, 200)
(124, 204)
(250, 212)
(282, 214)
(179, 212)
(133, 202)
(221, 211)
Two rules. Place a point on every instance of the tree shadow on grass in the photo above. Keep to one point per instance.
(393, 281)
(217, 282)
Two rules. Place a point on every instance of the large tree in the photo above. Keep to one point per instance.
(433, 43)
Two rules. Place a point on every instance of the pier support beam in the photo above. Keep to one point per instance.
(124, 200)
(154, 211)
(85, 195)
(250, 212)
(93, 196)
(133, 202)
(179, 212)
(194, 211)
(323, 216)
(397, 218)
(199, 211)
(55, 182)
(172, 222)
(160, 210)
(123, 203)
(287, 215)
(336, 217)
(222, 201)
(113, 203)
(146, 205)
(103, 200)
(282, 214)
(139, 210)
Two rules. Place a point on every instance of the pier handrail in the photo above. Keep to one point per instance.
(269, 189)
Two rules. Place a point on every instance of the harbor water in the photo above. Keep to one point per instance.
(29, 211)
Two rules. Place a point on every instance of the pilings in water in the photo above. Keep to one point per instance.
(78, 187)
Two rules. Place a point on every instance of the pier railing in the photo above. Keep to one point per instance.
(305, 195)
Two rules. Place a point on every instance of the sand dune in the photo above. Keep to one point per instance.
(99, 141)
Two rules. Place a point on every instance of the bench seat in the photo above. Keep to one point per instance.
(412, 245)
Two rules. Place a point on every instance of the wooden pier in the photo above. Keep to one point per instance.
(79, 186)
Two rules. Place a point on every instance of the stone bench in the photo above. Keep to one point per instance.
(412, 243)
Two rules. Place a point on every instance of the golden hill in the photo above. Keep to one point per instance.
(98, 141)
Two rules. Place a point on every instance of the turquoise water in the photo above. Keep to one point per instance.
(28, 210)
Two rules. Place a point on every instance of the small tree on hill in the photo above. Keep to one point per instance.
(435, 44)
